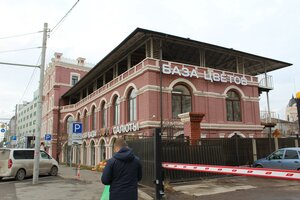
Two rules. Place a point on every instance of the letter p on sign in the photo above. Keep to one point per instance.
(77, 127)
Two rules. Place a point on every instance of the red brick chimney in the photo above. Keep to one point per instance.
(191, 122)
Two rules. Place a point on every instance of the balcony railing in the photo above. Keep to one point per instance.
(151, 64)
(268, 118)
(266, 82)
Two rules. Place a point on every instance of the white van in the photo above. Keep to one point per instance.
(18, 163)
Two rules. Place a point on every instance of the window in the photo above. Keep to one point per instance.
(181, 100)
(92, 153)
(85, 122)
(44, 155)
(233, 107)
(34, 114)
(93, 118)
(103, 115)
(277, 155)
(116, 110)
(21, 154)
(132, 105)
(74, 79)
(291, 154)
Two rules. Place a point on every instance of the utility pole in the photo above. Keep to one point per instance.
(159, 188)
(36, 167)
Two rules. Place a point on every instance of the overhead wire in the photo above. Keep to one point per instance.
(30, 80)
(15, 50)
(51, 33)
(20, 35)
(63, 18)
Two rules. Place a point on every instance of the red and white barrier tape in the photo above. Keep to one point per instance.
(244, 171)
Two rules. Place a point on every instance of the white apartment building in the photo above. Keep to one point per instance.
(26, 123)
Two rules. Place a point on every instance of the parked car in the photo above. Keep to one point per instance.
(19, 163)
(285, 158)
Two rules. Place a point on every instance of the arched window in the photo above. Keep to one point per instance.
(102, 150)
(103, 115)
(69, 124)
(66, 157)
(85, 121)
(92, 153)
(77, 154)
(181, 100)
(233, 106)
(113, 143)
(84, 153)
(93, 114)
(116, 103)
(78, 117)
(132, 105)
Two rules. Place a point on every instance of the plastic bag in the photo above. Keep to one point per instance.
(105, 193)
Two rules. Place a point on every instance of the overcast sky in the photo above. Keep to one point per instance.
(268, 28)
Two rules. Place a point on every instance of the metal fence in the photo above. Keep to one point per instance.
(215, 151)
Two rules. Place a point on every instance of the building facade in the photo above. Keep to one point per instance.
(26, 122)
(60, 75)
(122, 93)
(291, 110)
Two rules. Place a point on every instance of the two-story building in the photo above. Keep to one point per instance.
(122, 93)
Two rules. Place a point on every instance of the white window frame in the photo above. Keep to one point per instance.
(74, 74)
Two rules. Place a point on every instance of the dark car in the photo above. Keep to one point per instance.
(285, 158)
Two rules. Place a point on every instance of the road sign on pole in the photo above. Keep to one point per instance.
(48, 137)
(76, 133)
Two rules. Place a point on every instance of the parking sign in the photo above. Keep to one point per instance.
(48, 137)
(76, 133)
(77, 127)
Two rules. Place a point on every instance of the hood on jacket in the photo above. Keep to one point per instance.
(125, 154)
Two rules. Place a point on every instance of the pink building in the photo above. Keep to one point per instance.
(61, 74)
(121, 94)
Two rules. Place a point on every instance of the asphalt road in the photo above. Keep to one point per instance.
(49, 188)
(237, 188)
(231, 188)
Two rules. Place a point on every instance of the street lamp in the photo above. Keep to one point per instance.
(298, 111)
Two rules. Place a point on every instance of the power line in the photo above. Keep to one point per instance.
(60, 21)
(19, 35)
(30, 80)
(14, 50)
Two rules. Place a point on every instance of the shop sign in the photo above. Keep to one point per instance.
(126, 128)
(185, 72)
(91, 134)
(225, 78)
(210, 76)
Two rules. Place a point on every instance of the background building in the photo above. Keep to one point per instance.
(26, 123)
(291, 110)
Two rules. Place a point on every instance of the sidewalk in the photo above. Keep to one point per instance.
(90, 177)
